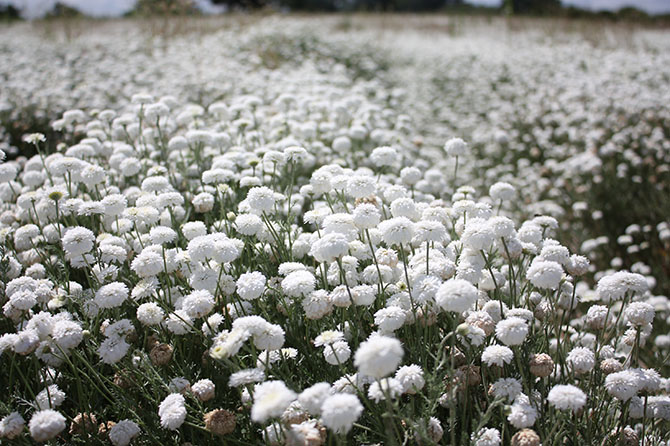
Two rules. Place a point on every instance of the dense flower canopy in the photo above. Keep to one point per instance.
(298, 244)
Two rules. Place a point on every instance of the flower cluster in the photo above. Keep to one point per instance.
(297, 266)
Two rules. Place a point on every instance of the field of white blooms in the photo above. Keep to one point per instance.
(344, 230)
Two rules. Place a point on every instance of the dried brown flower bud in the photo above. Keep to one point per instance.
(625, 437)
(459, 357)
(220, 422)
(610, 365)
(372, 199)
(161, 354)
(542, 310)
(526, 437)
(122, 380)
(83, 422)
(425, 317)
(468, 375)
(541, 365)
(152, 341)
(294, 414)
(103, 428)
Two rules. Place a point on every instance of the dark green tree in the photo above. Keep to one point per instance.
(8, 12)
(541, 7)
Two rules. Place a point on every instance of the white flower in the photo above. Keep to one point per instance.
(615, 286)
(410, 378)
(271, 337)
(639, 313)
(150, 314)
(364, 294)
(360, 186)
(410, 175)
(390, 319)
(330, 247)
(340, 411)
(123, 432)
(179, 322)
(250, 286)
(12, 425)
(522, 413)
(512, 331)
(271, 398)
(456, 295)
(478, 234)
(497, 355)
(430, 231)
(179, 385)
(67, 334)
(577, 265)
(198, 304)
(379, 356)
(405, 207)
(566, 397)
(113, 349)
(111, 295)
(193, 229)
(78, 241)
(622, 385)
(337, 353)
(554, 252)
(581, 360)
(312, 398)
(595, 316)
(317, 304)
(22, 300)
(455, 147)
(172, 411)
(203, 389)
(502, 191)
(261, 199)
(384, 156)
(298, 283)
(246, 376)
(385, 388)
(147, 263)
(502, 227)
(486, 437)
(397, 231)
(366, 216)
(328, 337)
(50, 398)
(248, 224)
(545, 274)
(46, 424)
(508, 388)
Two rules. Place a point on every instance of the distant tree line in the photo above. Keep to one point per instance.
(511, 7)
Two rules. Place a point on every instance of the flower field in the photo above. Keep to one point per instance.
(334, 230)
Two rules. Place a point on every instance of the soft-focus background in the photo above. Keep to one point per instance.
(32, 9)
(458, 212)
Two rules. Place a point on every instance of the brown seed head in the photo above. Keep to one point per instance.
(468, 375)
(541, 365)
(103, 428)
(83, 422)
(220, 422)
(161, 354)
(526, 437)
(610, 365)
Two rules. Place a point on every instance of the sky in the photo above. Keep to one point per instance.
(111, 8)
(650, 6)
(31, 9)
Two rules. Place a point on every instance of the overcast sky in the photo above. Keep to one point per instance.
(94, 8)
(105, 8)
(651, 6)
